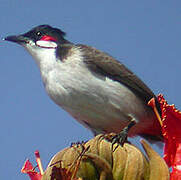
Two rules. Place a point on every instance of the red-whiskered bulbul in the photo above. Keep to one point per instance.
(92, 86)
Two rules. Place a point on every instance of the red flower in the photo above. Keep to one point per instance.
(30, 170)
(57, 173)
(171, 130)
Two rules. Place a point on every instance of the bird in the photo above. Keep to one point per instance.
(97, 90)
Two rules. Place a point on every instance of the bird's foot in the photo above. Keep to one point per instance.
(121, 137)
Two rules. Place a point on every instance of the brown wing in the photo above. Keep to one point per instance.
(102, 63)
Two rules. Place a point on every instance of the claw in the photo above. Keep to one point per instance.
(121, 137)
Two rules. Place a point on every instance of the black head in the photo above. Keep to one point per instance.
(42, 32)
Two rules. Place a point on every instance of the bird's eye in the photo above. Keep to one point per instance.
(38, 33)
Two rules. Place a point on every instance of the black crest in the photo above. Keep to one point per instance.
(38, 32)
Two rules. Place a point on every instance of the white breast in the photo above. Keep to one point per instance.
(97, 102)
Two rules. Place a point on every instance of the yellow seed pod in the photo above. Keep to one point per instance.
(96, 160)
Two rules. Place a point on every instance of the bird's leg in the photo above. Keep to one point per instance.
(121, 137)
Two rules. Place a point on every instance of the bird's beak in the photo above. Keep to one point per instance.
(20, 39)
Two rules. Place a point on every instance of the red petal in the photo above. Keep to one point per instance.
(38, 160)
(34, 175)
(171, 129)
(29, 169)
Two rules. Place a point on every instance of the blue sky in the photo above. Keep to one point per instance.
(144, 35)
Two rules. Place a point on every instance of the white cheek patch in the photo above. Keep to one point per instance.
(46, 44)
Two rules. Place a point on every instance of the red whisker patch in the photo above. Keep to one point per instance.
(48, 38)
